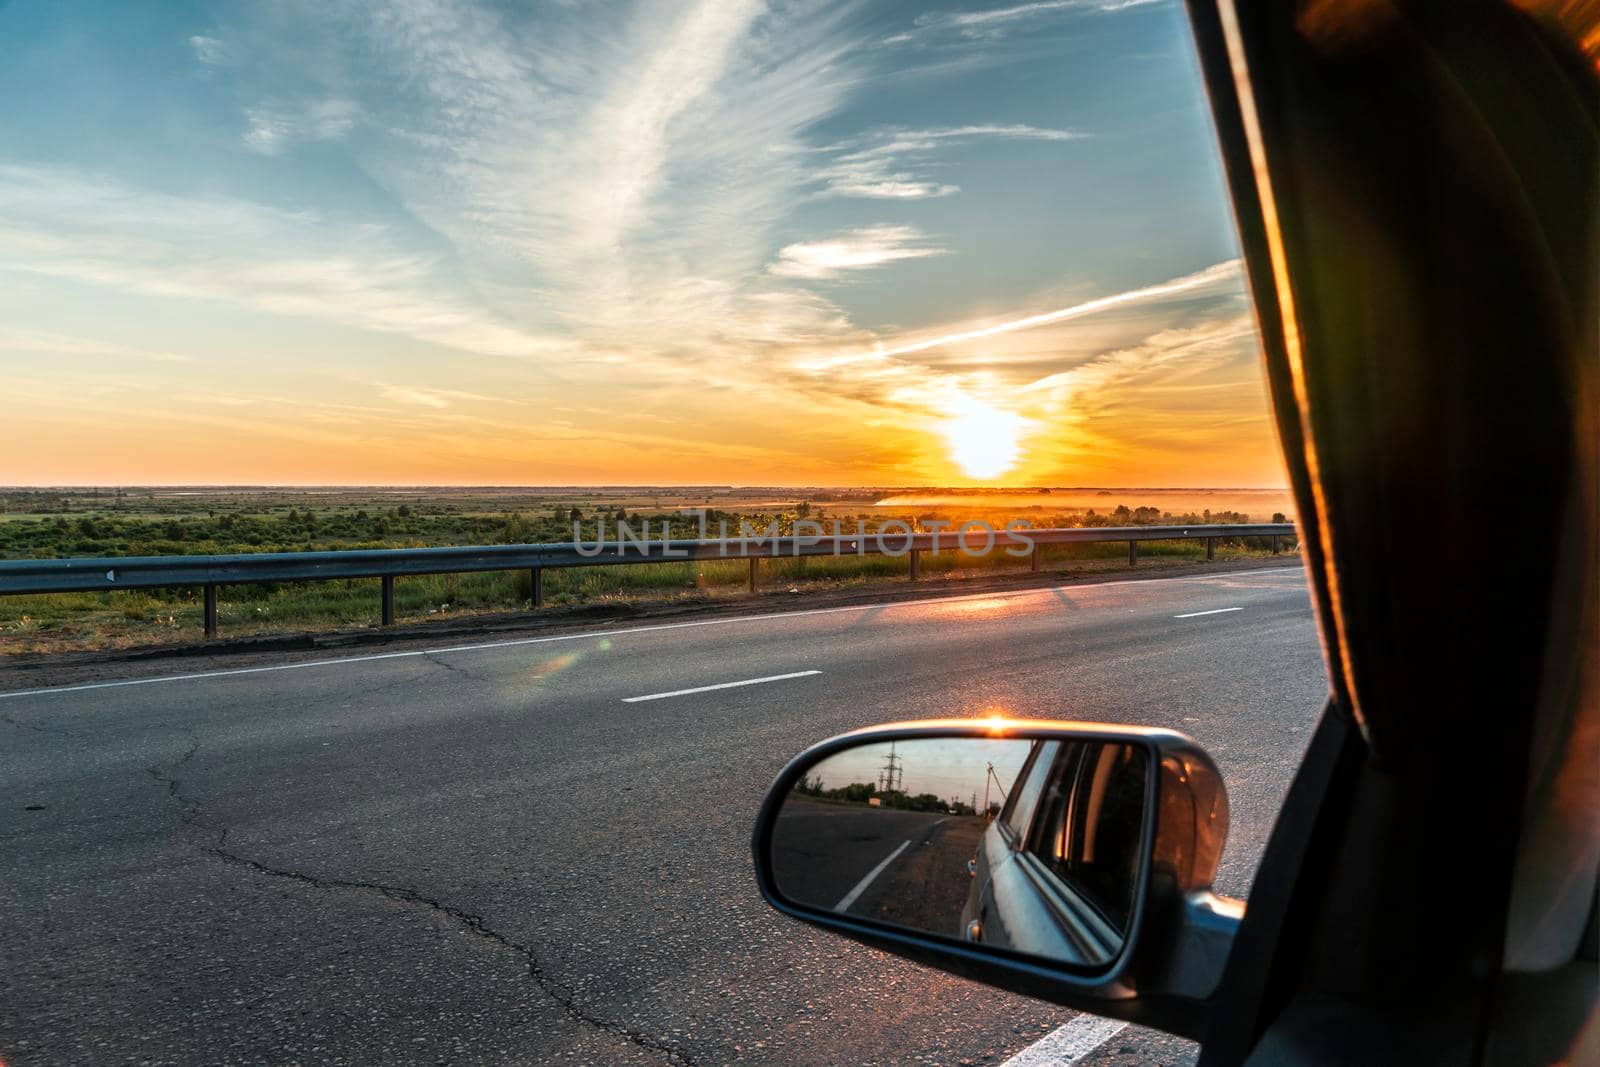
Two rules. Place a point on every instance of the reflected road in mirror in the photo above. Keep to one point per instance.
(1034, 846)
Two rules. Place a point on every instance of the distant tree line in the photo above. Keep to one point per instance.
(864, 792)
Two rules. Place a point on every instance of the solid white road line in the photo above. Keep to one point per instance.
(518, 642)
(719, 685)
(1213, 611)
(861, 886)
(1067, 1044)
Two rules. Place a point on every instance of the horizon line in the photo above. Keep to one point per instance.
(676, 486)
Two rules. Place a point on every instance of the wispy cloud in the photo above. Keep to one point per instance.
(630, 172)
(1085, 361)
(418, 396)
(209, 50)
(1190, 350)
(997, 20)
(1227, 273)
(624, 151)
(863, 249)
(276, 125)
(629, 176)
(400, 394)
(880, 166)
(34, 342)
(1193, 390)
(63, 224)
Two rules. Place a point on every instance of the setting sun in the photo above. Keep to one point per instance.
(984, 441)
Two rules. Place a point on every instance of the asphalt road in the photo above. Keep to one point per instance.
(821, 851)
(903, 867)
(491, 855)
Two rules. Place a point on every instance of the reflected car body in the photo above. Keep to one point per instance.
(1055, 871)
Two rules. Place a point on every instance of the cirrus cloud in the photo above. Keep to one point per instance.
(994, 21)
(853, 250)
(882, 165)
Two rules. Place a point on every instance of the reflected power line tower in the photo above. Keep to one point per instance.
(892, 775)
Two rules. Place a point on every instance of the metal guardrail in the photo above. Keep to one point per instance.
(149, 572)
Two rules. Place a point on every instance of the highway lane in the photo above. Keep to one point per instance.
(491, 855)
(903, 867)
(822, 851)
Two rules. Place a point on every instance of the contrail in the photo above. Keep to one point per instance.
(1211, 274)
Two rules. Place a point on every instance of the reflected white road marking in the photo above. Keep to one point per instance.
(1213, 611)
(1067, 1044)
(719, 685)
(861, 886)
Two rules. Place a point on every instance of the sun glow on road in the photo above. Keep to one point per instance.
(993, 605)
(983, 440)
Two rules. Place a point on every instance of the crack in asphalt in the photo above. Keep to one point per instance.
(437, 662)
(474, 924)
(55, 731)
(165, 775)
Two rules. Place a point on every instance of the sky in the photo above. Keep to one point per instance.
(455, 242)
(950, 767)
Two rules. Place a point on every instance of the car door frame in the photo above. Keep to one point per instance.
(1335, 960)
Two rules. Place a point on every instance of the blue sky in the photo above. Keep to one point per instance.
(731, 241)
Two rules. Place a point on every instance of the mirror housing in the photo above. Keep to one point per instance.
(1179, 932)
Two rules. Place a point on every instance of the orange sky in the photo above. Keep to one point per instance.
(1161, 388)
(713, 241)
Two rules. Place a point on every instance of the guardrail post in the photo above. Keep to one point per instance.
(209, 573)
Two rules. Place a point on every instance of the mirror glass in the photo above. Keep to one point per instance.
(1029, 845)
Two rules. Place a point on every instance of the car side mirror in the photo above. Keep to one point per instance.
(1071, 861)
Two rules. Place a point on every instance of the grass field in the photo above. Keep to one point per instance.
(54, 523)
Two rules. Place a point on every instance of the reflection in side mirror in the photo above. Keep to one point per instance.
(1036, 846)
(1070, 861)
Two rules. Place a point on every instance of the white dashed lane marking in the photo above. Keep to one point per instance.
(719, 685)
(1213, 611)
